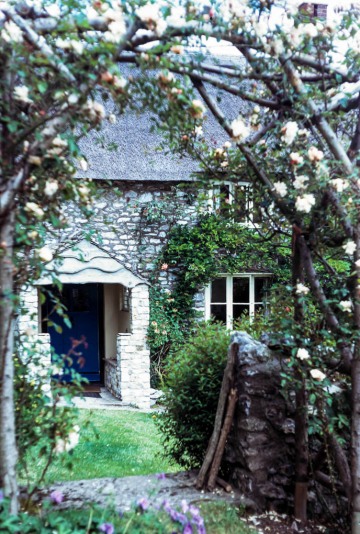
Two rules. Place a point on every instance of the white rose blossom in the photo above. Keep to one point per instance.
(71, 441)
(339, 184)
(21, 93)
(177, 17)
(34, 209)
(289, 132)
(151, 15)
(302, 354)
(239, 129)
(315, 155)
(198, 109)
(280, 188)
(305, 203)
(317, 374)
(83, 164)
(301, 289)
(70, 44)
(346, 305)
(51, 188)
(296, 158)
(45, 254)
(53, 10)
(11, 33)
(300, 181)
(349, 247)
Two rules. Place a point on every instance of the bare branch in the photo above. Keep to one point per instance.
(306, 60)
(232, 89)
(317, 118)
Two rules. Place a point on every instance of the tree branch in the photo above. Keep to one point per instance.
(328, 313)
(260, 173)
(317, 118)
(39, 43)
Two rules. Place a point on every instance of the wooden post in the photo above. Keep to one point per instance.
(223, 437)
(213, 442)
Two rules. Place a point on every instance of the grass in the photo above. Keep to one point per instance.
(125, 443)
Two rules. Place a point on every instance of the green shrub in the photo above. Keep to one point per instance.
(193, 377)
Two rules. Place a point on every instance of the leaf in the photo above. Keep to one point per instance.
(42, 87)
(67, 322)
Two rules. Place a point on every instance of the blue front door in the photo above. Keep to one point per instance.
(80, 341)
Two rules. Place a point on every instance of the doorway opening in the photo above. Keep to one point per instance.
(73, 317)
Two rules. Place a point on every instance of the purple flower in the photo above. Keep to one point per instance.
(160, 476)
(2, 497)
(108, 528)
(177, 516)
(184, 506)
(143, 504)
(166, 505)
(195, 512)
(188, 529)
(57, 496)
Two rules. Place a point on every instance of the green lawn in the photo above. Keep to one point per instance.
(128, 443)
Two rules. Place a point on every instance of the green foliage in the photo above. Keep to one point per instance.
(193, 377)
(44, 426)
(197, 254)
(218, 518)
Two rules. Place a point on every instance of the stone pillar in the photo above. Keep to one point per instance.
(260, 449)
(31, 340)
(35, 347)
(133, 355)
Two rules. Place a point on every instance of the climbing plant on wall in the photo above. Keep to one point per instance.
(195, 255)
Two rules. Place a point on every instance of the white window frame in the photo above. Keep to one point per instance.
(215, 201)
(229, 295)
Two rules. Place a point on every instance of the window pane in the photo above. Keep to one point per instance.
(224, 200)
(218, 312)
(225, 192)
(239, 310)
(241, 202)
(260, 289)
(218, 290)
(241, 289)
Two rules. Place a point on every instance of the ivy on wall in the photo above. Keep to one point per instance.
(195, 255)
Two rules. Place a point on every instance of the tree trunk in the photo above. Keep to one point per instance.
(8, 449)
(301, 422)
(355, 445)
(355, 401)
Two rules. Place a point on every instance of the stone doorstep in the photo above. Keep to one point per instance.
(107, 401)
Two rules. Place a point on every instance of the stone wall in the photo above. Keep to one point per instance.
(260, 449)
(132, 221)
